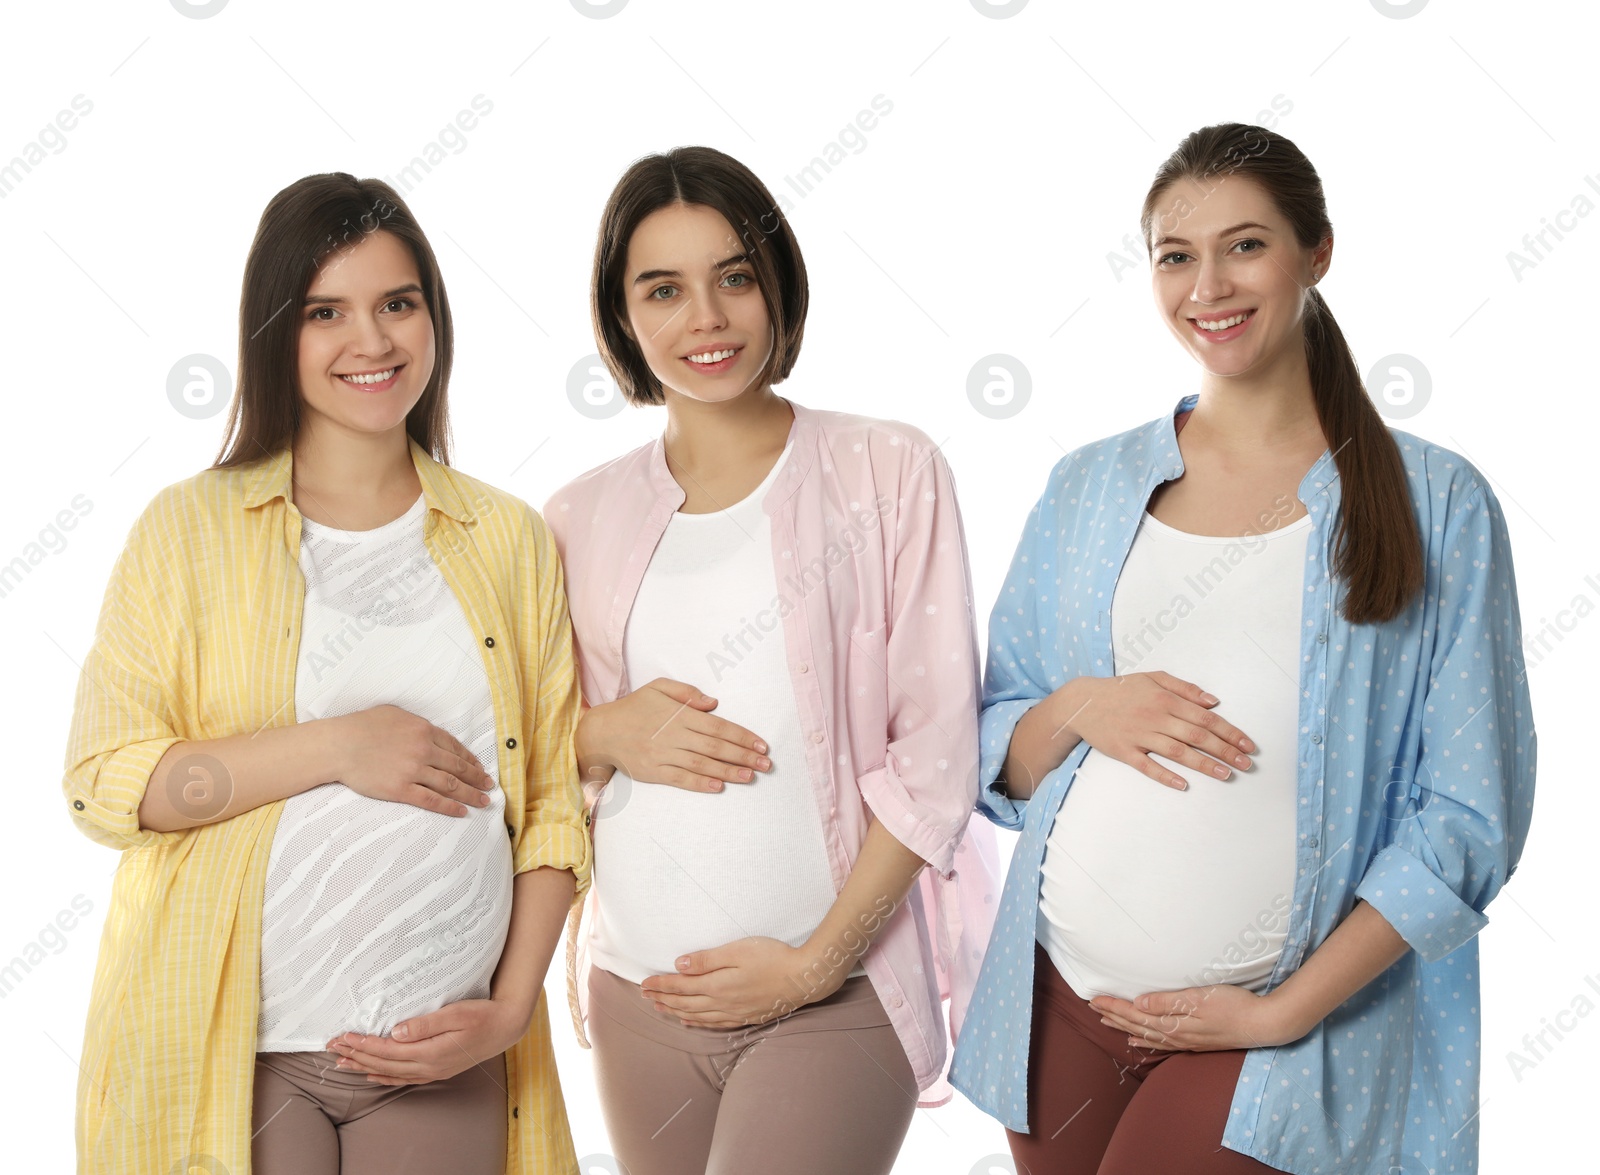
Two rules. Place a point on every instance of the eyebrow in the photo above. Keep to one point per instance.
(325, 300)
(651, 275)
(1227, 232)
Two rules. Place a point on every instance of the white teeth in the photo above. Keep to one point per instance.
(1224, 324)
(375, 378)
(711, 356)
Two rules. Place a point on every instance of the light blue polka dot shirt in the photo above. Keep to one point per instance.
(1416, 764)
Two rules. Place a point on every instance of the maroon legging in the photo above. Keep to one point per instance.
(1098, 1106)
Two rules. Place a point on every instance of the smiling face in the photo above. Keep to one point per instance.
(1229, 277)
(366, 348)
(692, 305)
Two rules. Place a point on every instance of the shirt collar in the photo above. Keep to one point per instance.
(271, 477)
(1320, 481)
(802, 451)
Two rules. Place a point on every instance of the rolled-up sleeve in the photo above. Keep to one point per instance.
(121, 721)
(1458, 822)
(1015, 678)
(554, 829)
(925, 790)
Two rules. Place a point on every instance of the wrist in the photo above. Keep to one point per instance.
(822, 965)
(1065, 704)
(329, 746)
(588, 739)
(1289, 1015)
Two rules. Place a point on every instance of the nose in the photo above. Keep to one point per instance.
(371, 337)
(1211, 282)
(706, 313)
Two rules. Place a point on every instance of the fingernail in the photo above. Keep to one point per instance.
(683, 964)
(1247, 745)
(716, 785)
(1241, 761)
(1209, 699)
(761, 746)
(1220, 771)
(402, 1032)
(746, 774)
(766, 764)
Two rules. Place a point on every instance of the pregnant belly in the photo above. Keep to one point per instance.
(377, 911)
(680, 871)
(1145, 888)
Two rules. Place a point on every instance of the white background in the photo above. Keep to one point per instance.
(977, 218)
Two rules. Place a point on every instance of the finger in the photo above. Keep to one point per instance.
(1178, 751)
(1184, 689)
(740, 758)
(1233, 739)
(420, 795)
(683, 693)
(706, 768)
(682, 1004)
(460, 761)
(731, 732)
(1149, 767)
(453, 797)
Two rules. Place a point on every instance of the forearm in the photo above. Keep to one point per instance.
(186, 791)
(1360, 949)
(882, 876)
(1041, 742)
(539, 904)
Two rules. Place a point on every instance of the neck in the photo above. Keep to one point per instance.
(347, 464)
(1260, 410)
(701, 435)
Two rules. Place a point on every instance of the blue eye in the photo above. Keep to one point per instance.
(660, 290)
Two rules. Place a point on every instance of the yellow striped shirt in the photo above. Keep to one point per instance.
(198, 638)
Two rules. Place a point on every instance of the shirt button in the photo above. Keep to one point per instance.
(817, 738)
(511, 744)
(805, 668)
(1316, 738)
(1322, 638)
(897, 1002)
(511, 832)
(488, 642)
(1312, 842)
(78, 804)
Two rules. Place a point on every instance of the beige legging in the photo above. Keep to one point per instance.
(313, 1119)
(825, 1089)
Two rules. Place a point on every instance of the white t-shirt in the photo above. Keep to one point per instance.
(678, 871)
(1146, 888)
(374, 910)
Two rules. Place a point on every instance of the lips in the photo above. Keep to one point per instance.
(377, 380)
(1239, 319)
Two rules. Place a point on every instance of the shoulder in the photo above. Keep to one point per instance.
(1112, 466)
(851, 438)
(1434, 469)
(197, 509)
(586, 495)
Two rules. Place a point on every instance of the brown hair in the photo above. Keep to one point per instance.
(310, 220)
(1377, 549)
(696, 175)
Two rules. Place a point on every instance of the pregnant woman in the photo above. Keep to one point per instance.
(771, 606)
(1254, 699)
(328, 718)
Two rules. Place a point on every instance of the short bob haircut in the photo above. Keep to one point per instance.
(311, 220)
(704, 176)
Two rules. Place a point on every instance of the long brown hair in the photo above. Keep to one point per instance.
(309, 221)
(1377, 549)
(696, 175)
